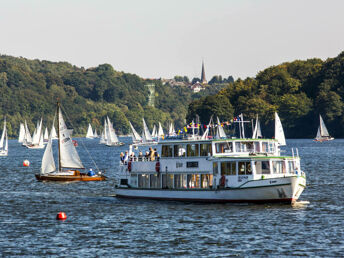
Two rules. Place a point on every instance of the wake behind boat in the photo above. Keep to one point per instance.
(69, 162)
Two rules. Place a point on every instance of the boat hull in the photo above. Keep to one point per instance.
(68, 178)
(282, 190)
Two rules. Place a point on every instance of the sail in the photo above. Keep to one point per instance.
(154, 132)
(46, 134)
(171, 131)
(68, 154)
(136, 137)
(111, 134)
(89, 133)
(6, 142)
(37, 134)
(220, 132)
(160, 131)
(279, 133)
(21, 133)
(323, 129)
(205, 134)
(95, 135)
(3, 136)
(53, 133)
(257, 133)
(147, 135)
(27, 138)
(48, 163)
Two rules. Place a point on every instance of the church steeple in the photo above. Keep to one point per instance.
(203, 79)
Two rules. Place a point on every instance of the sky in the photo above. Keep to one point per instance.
(164, 38)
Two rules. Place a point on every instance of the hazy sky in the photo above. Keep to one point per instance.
(163, 38)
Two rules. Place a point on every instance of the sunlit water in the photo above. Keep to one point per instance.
(98, 224)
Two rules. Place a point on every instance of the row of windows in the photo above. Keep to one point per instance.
(186, 150)
(262, 167)
(172, 181)
(227, 147)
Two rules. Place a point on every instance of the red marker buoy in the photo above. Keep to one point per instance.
(61, 216)
(26, 163)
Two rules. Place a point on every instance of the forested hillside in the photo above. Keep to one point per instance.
(299, 91)
(29, 90)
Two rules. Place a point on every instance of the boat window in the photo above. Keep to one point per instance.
(133, 180)
(215, 168)
(155, 181)
(180, 181)
(143, 180)
(228, 168)
(271, 147)
(262, 167)
(291, 167)
(277, 167)
(166, 151)
(239, 147)
(193, 181)
(256, 147)
(179, 150)
(192, 150)
(224, 147)
(207, 181)
(205, 149)
(265, 147)
(167, 181)
(247, 146)
(244, 168)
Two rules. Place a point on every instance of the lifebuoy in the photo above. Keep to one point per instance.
(157, 167)
(223, 181)
(129, 166)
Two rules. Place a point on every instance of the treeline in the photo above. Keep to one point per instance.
(29, 90)
(299, 91)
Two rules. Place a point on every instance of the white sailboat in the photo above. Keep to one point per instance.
(68, 158)
(46, 135)
(279, 133)
(4, 141)
(95, 134)
(103, 134)
(89, 133)
(220, 133)
(111, 137)
(154, 132)
(27, 136)
(53, 133)
(257, 133)
(171, 131)
(146, 135)
(135, 136)
(322, 134)
(160, 132)
(21, 133)
(37, 139)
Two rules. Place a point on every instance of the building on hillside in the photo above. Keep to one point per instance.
(197, 87)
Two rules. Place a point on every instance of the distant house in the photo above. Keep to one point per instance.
(197, 87)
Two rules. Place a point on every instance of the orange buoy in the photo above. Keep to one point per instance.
(26, 163)
(61, 216)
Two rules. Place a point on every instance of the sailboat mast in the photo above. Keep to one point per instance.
(58, 133)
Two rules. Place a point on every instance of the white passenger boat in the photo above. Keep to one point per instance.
(226, 170)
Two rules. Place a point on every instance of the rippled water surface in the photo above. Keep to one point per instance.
(98, 224)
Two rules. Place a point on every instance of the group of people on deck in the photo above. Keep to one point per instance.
(150, 155)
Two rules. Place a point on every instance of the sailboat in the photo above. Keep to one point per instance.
(257, 132)
(27, 136)
(154, 132)
(322, 134)
(46, 135)
(279, 133)
(53, 133)
(146, 135)
(111, 137)
(220, 133)
(135, 136)
(103, 134)
(89, 133)
(4, 141)
(95, 134)
(160, 132)
(21, 133)
(68, 158)
(37, 138)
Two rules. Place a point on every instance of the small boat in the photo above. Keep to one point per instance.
(21, 133)
(215, 171)
(135, 136)
(37, 138)
(4, 141)
(322, 134)
(27, 136)
(111, 137)
(89, 133)
(69, 163)
(46, 135)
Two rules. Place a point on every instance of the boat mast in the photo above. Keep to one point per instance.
(58, 133)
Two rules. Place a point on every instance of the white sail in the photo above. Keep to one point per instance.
(160, 131)
(21, 133)
(146, 133)
(3, 136)
(111, 137)
(48, 162)
(323, 129)
(53, 133)
(27, 136)
(89, 133)
(95, 134)
(68, 154)
(46, 134)
(154, 132)
(205, 134)
(220, 132)
(257, 133)
(171, 131)
(6, 142)
(279, 133)
(37, 134)
(318, 134)
(136, 137)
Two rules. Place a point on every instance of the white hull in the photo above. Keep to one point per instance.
(286, 189)
(35, 147)
(3, 153)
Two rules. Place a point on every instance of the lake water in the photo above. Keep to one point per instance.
(98, 224)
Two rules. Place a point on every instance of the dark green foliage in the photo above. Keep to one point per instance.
(299, 91)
